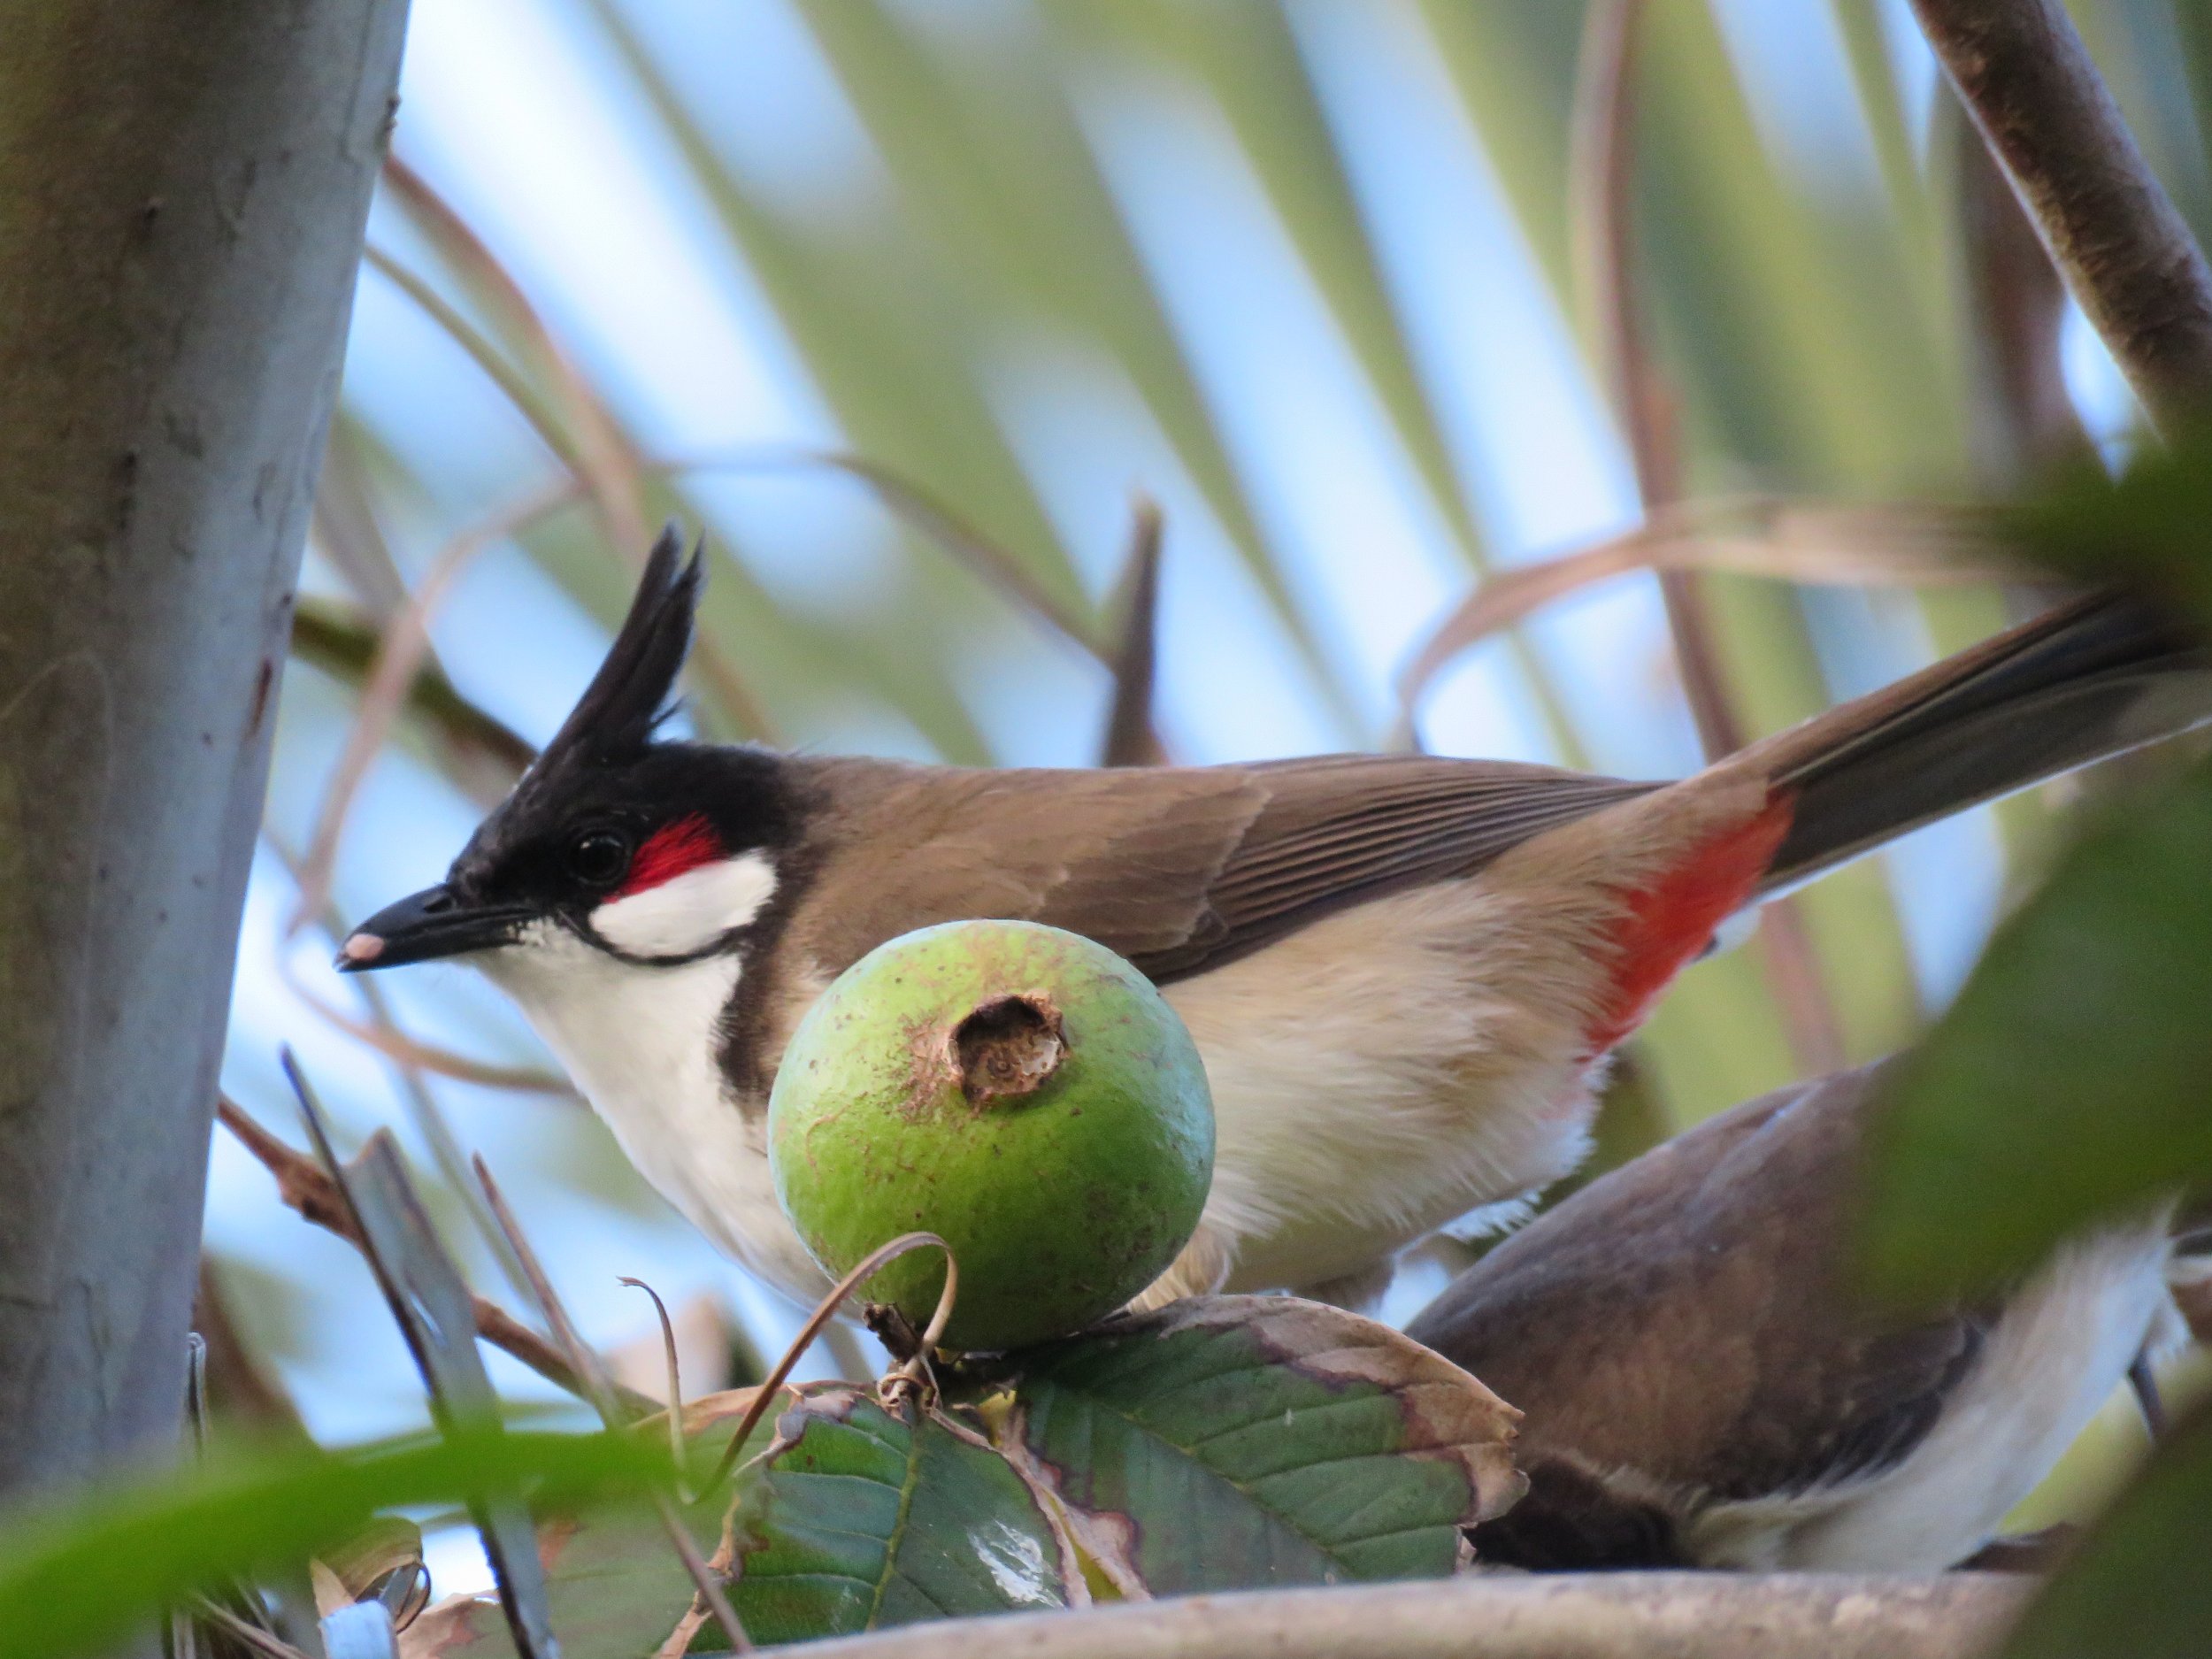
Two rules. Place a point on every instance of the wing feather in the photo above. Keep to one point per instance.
(1179, 869)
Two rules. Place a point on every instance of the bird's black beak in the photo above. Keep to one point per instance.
(427, 925)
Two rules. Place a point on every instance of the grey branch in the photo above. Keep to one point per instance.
(1611, 1616)
(2126, 255)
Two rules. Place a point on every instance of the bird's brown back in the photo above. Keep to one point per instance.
(1179, 869)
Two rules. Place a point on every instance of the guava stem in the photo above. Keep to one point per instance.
(824, 1310)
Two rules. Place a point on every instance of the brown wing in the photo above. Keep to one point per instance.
(1682, 1318)
(1179, 869)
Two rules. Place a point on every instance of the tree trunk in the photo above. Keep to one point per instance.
(182, 193)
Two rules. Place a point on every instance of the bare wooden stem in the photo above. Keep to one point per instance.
(1132, 739)
(1606, 1616)
(2126, 255)
(2024, 419)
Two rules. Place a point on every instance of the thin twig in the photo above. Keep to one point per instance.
(1793, 977)
(2126, 252)
(412, 1058)
(433, 1308)
(957, 534)
(504, 375)
(305, 1187)
(1133, 739)
(244, 1630)
(399, 654)
(1905, 185)
(824, 1312)
(343, 523)
(600, 459)
(599, 1386)
(345, 648)
(2027, 425)
(1601, 186)
(601, 1391)
(1601, 181)
(407, 1051)
(674, 1371)
(1809, 542)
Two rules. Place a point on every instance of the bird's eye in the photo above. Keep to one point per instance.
(598, 858)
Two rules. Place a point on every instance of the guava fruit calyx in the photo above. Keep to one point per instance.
(1007, 1047)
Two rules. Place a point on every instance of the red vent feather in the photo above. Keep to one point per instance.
(1668, 922)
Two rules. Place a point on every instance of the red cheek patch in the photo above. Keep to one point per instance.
(669, 852)
(1668, 922)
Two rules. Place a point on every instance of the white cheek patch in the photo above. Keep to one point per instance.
(687, 913)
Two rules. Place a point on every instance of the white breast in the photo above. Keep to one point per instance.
(640, 1041)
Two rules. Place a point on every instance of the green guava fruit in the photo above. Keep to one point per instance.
(1019, 1091)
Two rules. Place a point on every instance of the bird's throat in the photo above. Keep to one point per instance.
(642, 1043)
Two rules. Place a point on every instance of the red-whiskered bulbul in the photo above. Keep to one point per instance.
(1702, 1388)
(1404, 972)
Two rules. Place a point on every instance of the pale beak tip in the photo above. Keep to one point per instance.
(358, 949)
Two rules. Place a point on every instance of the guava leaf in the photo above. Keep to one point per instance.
(857, 1520)
(1234, 1442)
(2137, 1587)
(868, 1520)
(2068, 1082)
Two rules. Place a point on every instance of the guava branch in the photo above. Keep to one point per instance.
(1610, 1616)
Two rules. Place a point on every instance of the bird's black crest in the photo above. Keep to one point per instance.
(634, 690)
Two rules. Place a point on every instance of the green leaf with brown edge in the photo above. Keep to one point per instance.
(2137, 1587)
(855, 1520)
(2073, 1077)
(1236, 1443)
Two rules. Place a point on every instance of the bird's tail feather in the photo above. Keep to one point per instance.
(2090, 679)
